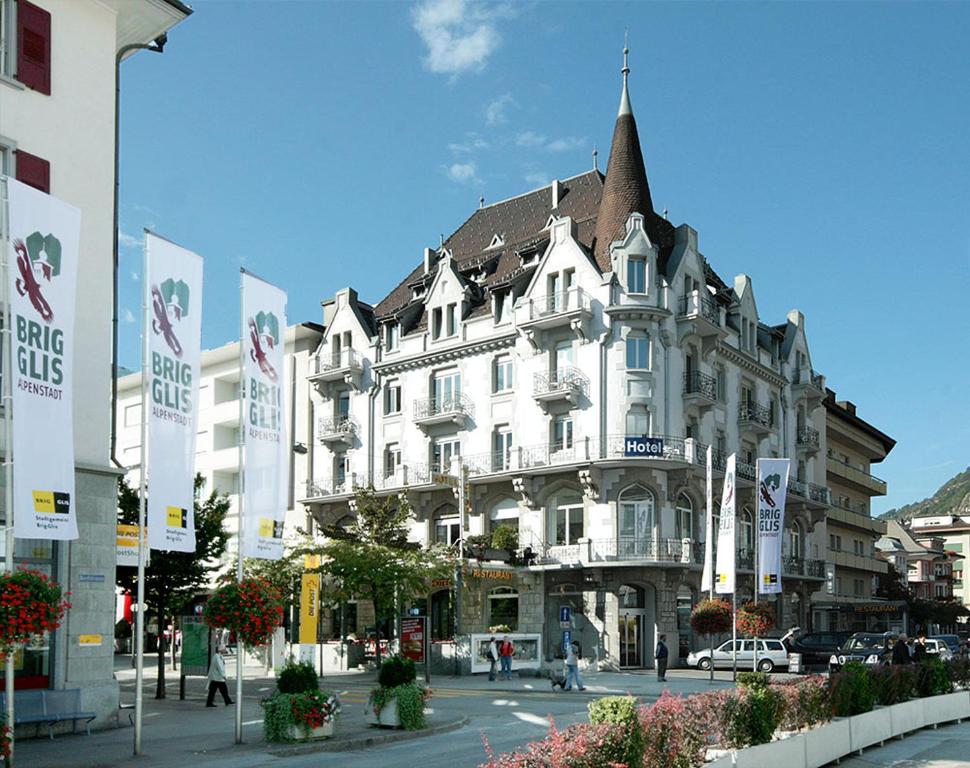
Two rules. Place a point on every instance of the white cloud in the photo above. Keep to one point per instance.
(535, 140)
(495, 111)
(463, 173)
(537, 179)
(473, 143)
(128, 241)
(128, 316)
(458, 35)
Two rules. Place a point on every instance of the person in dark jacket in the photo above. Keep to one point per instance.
(661, 655)
(901, 651)
(919, 650)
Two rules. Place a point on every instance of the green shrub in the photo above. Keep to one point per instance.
(932, 678)
(410, 699)
(297, 677)
(305, 710)
(958, 669)
(505, 537)
(851, 690)
(395, 671)
(754, 716)
(753, 680)
(805, 703)
(621, 711)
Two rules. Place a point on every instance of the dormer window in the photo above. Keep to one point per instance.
(496, 241)
(636, 275)
(436, 323)
(392, 336)
(451, 318)
(502, 308)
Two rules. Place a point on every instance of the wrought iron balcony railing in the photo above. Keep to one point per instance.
(344, 426)
(443, 406)
(566, 379)
(807, 436)
(345, 358)
(695, 304)
(699, 383)
(560, 302)
(755, 413)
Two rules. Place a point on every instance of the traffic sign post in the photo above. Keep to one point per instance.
(565, 617)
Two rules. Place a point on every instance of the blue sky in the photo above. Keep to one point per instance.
(820, 148)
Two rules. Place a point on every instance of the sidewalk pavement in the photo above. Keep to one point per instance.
(944, 747)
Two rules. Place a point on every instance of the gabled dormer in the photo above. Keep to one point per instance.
(446, 302)
(744, 315)
(806, 384)
(345, 346)
(697, 310)
(634, 259)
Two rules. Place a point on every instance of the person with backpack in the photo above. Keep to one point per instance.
(505, 653)
(492, 655)
(661, 656)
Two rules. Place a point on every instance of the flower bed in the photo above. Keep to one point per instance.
(787, 724)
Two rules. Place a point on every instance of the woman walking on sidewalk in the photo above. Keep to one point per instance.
(217, 680)
(572, 668)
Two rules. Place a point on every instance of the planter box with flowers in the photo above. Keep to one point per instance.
(299, 710)
(398, 701)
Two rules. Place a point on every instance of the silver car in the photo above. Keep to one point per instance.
(771, 655)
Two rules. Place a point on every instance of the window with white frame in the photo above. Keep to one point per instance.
(746, 529)
(392, 336)
(636, 275)
(504, 512)
(436, 323)
(451, 320)
(636, 510)
(503, 608)
(446, 387)
(562, 433)
(685, 516)
(392, 397)
(8, 41)
(565, 518)
(637, 351)
(447, 525)
(341, 471)
(443, 451)
(638, 421)
(720, 382)
(795, 540)
(392, 459)
(501, 448)
(502, 373)
(503, 308)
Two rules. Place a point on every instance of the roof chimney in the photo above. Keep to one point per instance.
(429, 259)
(555, 193)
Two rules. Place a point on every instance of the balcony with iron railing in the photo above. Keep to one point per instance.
(703, 310)
(404, 476)
(755, 417)
(563, 384)
(624, 549)
(443, 410)
(809, 384)
(341, 484)
(342, 429)
(862, 480)
(807, 438)
(699, 389)
(557, 308)
(345, 365)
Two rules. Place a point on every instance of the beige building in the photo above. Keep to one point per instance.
(852, 568)
(954, 533)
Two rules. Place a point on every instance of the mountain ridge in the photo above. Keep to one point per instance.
(949, 499)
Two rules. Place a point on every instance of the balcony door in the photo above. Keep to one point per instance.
(447, 390)
(635, 526)
(563, 358)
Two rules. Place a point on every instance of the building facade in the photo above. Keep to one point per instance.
(217, 440)
(853, 570)
(954, 530)
(922, 559)
(57, 87)
(522, 355)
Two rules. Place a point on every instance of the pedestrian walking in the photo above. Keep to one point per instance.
(661, 654)
(572, 668)
(901, 651)
(919, 650)
(506, 650)
(217, 680)
(492, 654)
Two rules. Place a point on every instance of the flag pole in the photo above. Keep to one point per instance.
(239, 505)
(9, 542)
(142, 490)
(757, 535)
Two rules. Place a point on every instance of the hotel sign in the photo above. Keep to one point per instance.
(643, 447)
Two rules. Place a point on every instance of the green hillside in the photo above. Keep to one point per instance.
(953, 496)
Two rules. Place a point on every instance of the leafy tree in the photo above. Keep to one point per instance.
(374, 559)
(174, 578)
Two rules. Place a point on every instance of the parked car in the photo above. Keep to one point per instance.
(939, 647)
(817, 647)
(771, 654)
(952, 643)
(867, 647)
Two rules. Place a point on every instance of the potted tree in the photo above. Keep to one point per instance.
(299, 710)
(398, 701)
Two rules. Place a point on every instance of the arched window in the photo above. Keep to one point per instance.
(629, 596)
(636, 513)
(447, 525)
(685, 516)
(746, 526)
(795, 539)
(503, 608)
(564, 516)
(504, 512)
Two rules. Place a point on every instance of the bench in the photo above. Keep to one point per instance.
(43, 707)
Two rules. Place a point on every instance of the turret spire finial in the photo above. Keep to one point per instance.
(625, 108)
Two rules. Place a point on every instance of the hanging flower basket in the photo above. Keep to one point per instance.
(755, 619)
(711, 617)
(251, 608)
(30, 605)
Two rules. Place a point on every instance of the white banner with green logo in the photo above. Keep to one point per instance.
(725, 571)
(265, 466)
(42, 285)
(173, 280)
(772, 491)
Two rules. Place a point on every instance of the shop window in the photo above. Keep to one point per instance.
(503, 608)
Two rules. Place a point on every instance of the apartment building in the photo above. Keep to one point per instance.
(570, 353)
(954, 530)
(217, 446)
(57, 88)
(852, 568)
(927, 560)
